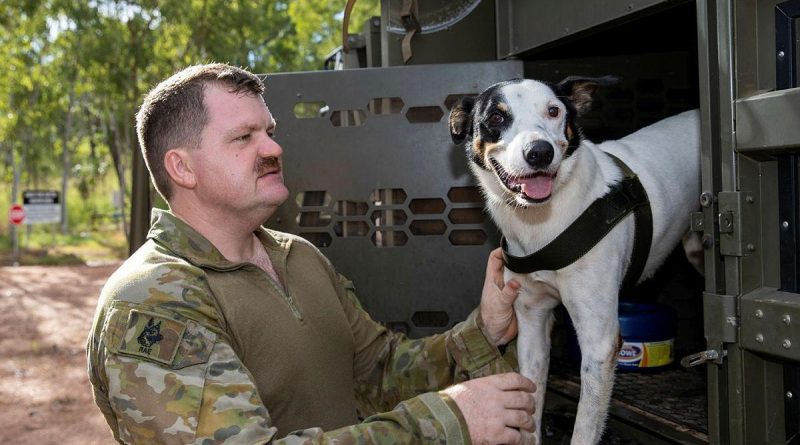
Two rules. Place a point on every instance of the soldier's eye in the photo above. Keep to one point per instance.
(553, 111)
(496, 119)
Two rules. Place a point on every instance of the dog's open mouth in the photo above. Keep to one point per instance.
(535, 187)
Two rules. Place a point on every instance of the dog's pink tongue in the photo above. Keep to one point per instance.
(537, 187)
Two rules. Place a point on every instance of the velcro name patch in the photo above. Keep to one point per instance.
(152, 336)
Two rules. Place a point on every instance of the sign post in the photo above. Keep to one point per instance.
(16, 214)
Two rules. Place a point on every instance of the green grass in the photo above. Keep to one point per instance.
(40, 247)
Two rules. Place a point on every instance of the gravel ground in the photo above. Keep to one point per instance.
(45, 316)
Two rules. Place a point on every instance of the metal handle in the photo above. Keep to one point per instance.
(703, 357)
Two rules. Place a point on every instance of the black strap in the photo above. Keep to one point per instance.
(593, 225)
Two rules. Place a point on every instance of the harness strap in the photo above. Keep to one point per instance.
(593, 225)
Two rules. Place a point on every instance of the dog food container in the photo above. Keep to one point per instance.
(648, 334)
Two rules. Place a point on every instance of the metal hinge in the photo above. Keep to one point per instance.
(736, 223)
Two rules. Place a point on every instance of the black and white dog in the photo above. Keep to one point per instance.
(538, 176)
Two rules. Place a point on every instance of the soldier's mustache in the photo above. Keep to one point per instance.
(267, 165)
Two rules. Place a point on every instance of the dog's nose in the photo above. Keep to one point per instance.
(540, 154)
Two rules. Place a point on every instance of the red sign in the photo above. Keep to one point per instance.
(16, 214)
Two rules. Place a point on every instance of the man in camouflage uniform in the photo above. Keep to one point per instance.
(218, 331)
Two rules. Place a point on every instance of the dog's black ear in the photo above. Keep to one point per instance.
(579, 90)
(461, 119)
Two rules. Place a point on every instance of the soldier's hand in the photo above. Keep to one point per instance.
(496, 407)
(497, 302)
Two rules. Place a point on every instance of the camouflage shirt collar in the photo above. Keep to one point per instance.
(174, 234)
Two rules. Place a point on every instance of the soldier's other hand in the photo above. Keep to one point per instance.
(496, 407)
(497, 302)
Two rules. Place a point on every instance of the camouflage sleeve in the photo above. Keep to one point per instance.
(171, 380)
(391, 368)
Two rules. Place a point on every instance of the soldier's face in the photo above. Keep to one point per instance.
(239, 164)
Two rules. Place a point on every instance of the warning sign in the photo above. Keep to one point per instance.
(41, 206)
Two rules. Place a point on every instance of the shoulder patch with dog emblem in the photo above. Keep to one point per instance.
(152, 336)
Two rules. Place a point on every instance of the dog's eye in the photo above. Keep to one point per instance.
(496, 119)
(553, 111)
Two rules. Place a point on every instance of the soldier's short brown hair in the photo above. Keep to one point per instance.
(173, 113)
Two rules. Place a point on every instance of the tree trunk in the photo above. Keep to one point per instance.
(115, 148)
(65, 160)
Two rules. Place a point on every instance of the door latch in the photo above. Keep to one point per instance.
(711, 355)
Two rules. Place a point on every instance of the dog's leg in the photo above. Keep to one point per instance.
(534, 309)
(595, 319)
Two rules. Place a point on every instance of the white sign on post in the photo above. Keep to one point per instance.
(41, 206)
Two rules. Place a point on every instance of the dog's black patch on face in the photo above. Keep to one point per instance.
(491, 117)
(480, 121)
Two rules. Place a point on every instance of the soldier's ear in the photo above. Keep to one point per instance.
(461, 120)
(178, 164)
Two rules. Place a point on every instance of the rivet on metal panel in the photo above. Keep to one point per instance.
(751, 247)
(787, 319)
(785, 226)
(706, 199)
(789, 394)
(786, 343)
(781, 54)
(760, 338)
(708, 241)
(749, 199)
(629, 7)
(759, 313)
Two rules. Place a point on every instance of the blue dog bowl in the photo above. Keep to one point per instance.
(648, 335)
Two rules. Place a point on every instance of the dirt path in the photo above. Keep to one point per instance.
(45, 316)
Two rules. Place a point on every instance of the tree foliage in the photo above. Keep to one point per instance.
(75, 70)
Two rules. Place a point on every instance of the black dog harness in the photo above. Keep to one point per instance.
(593, 225)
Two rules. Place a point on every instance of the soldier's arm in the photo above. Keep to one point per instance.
(391, 368)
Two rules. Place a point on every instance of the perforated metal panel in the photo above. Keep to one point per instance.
(378, 186)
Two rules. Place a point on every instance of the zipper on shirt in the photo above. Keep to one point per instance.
(284, 293)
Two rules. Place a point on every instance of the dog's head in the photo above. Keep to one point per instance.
(518, 133)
